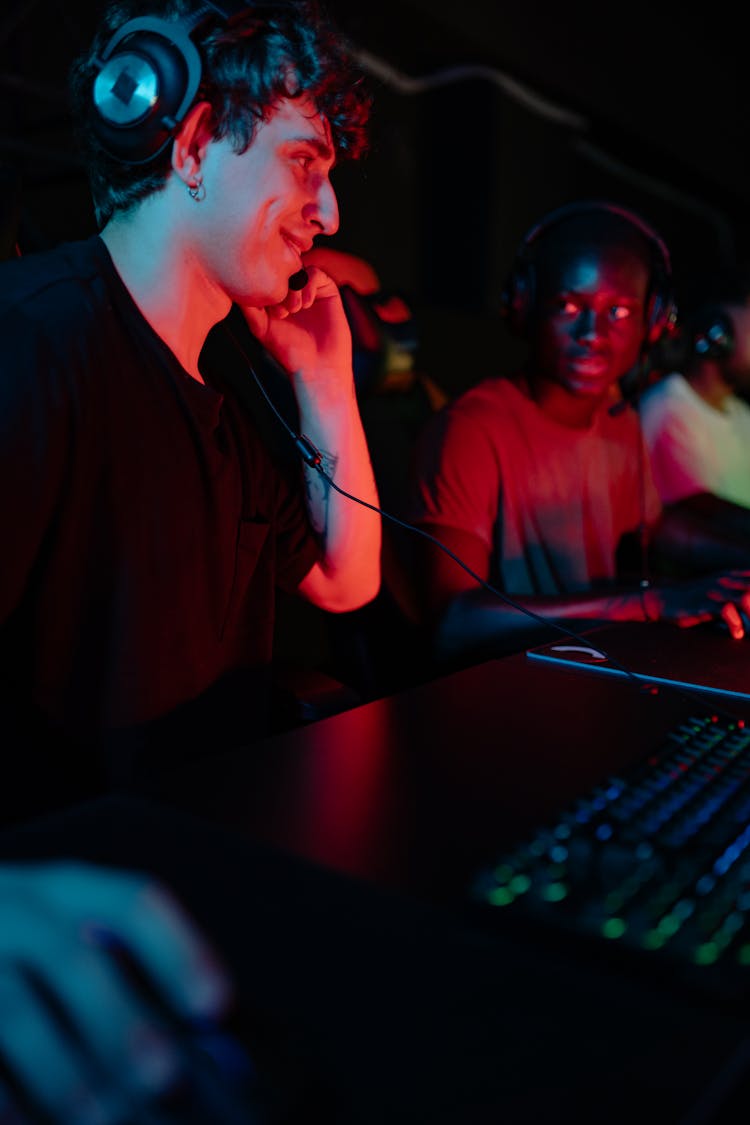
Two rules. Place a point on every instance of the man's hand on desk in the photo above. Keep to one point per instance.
(722, 597)
(79, 1040)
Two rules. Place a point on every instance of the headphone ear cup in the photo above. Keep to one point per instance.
(148, 76)
(713, 336)
(661, 318)
(656, 320)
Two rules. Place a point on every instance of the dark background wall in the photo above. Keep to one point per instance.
(486, 116)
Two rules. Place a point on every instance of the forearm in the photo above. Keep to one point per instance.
(308, 335)
(350, 533)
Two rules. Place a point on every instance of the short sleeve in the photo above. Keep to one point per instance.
(456, 481)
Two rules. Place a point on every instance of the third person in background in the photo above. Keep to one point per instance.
(696, 418)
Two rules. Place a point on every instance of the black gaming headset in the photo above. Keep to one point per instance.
(147, 78)
(517, 302)
(712, 333)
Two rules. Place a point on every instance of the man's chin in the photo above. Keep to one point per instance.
(265, 299)
(588, 385)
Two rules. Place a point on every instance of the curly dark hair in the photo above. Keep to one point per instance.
(280, 49)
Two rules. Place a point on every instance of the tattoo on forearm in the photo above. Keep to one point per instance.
(318, 492)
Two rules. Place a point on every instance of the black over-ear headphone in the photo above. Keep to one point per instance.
(712, 334)
(518, 297)
(148, 76)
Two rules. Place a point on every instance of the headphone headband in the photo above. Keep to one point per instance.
(587, 206)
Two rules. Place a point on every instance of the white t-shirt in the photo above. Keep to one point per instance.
(695, 447)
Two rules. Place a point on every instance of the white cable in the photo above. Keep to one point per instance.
(529, 99)
(405, 84)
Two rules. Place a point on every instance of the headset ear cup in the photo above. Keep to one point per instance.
(149, 74)
(165, 68)
(713, 336)
(655, 319)
(662, 311)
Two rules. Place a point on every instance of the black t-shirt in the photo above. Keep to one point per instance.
(145, 524)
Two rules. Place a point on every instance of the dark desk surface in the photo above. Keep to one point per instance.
(331, 864)
(415, 790)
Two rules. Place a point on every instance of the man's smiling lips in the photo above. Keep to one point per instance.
(299, 246)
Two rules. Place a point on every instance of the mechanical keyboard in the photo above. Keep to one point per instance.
(654, 862)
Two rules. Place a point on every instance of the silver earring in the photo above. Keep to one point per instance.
(197, 191)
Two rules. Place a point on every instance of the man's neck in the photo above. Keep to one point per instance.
(165, 284)
(708, 382)
(574, 411)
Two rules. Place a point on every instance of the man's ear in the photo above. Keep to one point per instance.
(191, 142)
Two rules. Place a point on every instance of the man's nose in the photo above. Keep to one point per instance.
(326, 208)
(588, 325)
